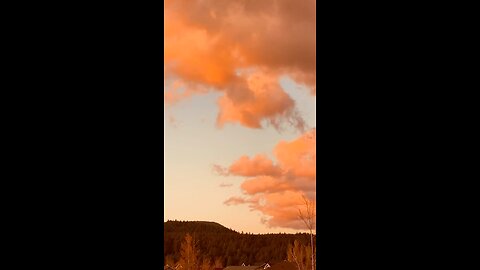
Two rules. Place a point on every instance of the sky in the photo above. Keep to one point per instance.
(239, 101)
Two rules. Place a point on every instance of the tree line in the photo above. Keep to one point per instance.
(204, 245)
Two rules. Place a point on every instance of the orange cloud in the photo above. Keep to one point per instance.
(277, 190)
(210, 44)
(281, 209)
(298, 157)
(239, 200)
(258, 165)
(264, 184)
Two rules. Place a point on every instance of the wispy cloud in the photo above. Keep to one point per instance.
(219, 170)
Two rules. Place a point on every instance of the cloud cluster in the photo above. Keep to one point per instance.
(277, 190)
(241, 48)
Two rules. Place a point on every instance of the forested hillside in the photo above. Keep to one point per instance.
(233, 248)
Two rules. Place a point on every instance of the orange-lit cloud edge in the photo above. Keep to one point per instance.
(241, 48)
(277, 190)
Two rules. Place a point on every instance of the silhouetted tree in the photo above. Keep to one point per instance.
(189, 253)
(206, 264)
(218, 262)
(308, 217)
(295, 254)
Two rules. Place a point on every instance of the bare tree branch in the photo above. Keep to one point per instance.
(309, 219)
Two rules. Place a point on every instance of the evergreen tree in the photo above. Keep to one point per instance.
(206, 264)
(189, 253)
(218, 262)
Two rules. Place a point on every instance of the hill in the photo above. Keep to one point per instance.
(195, 226)
(234, 248)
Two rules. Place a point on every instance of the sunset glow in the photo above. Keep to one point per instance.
(239, 95)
